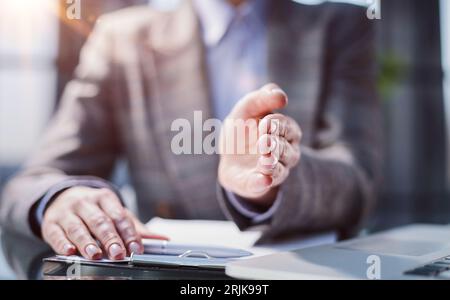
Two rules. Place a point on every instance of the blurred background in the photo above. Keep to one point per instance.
(39, 48)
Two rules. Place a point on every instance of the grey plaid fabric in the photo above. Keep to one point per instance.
(141, 69)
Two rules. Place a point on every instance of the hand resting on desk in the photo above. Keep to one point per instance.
(93, 222)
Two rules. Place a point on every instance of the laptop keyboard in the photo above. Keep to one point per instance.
(439, 268)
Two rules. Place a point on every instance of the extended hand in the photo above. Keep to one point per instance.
(271, 143)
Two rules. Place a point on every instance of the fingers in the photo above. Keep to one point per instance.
(92, 220)
(122, 221)
(79, 235)
(259, 103)
(146, 234)
(143, 231)
(278, 156)
(281, 125)
(102, 227)
(54, 235)
(258, 183)
(274, 149)
(279, 147)
(276, 171)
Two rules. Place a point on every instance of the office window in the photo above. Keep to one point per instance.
(28, 48)
(445, 27)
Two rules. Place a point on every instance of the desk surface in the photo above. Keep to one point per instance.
(22, 258)
(5, 271)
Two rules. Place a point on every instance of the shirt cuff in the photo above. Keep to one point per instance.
(250, 211)
(45, 201)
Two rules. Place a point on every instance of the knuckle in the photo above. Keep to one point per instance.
(106, 193)
(130, 234)
(53, 234)
(108, 237)
(126, 228)
(75, 231)
(98, 221)
(275, 124)
(119, 215)
(283, 152)
(122, 221)
(284, 128)
(78, 204)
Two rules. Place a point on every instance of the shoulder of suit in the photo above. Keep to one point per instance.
(329, 9)
(132, 19)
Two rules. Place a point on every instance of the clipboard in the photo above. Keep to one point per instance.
(190, 259)
(194, 258)
(56, 267)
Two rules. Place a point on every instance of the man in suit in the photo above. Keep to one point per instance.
(141, 69)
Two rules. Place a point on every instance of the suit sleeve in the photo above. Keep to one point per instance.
(80, 140)
(334, 186)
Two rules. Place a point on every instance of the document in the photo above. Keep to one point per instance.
(226, 234)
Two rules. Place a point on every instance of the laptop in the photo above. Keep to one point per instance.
(417, 251)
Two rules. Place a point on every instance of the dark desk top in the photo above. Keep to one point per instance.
(24, 259)
(5, 271)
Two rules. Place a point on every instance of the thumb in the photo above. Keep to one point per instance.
(153, 236)
(143, 231)
(260, 103)
(147, 234)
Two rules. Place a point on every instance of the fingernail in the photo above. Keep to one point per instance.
(273, 144)
(278, 91)
(92, 251)
(115, 251)
(135, 248)
(68, 248)
(269, 161)
(273, 126)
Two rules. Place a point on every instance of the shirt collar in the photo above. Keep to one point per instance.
(216, 16)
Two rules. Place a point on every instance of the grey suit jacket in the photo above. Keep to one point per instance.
(141, 69)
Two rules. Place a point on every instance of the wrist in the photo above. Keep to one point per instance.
(264, 201)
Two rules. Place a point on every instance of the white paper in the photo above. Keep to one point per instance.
(226, 234)
(77, 258)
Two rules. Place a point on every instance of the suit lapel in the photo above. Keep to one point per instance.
(179, 87)
(296, 60)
